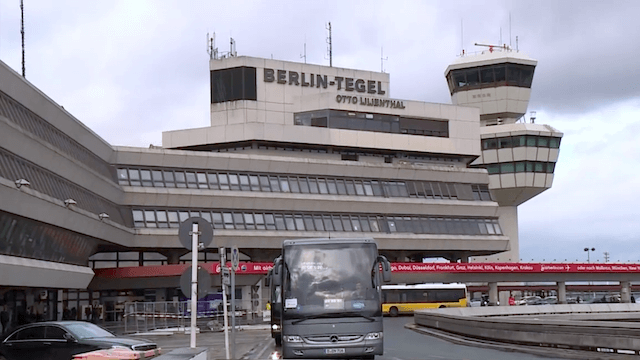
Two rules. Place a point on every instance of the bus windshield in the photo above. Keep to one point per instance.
(332, 278)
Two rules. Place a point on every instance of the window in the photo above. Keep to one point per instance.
(123, 177)
(134, 177)
(30, 333)
(260, 223)
(169, 179)
(181, 181)
(157, 178)
(255, 182)
(280, 224)
(223, 181)
(213, 181)
(248, 221)
(202, 180)
(145, 176)
(191, 180)
(504, 142)
(489, 144)
(234, 182)
(554, 142)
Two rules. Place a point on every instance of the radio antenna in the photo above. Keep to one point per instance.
(462, 36)
(328, 27)
(509, 28)
(22, 33)
(382, 59)
(212, 50)
(305, 50)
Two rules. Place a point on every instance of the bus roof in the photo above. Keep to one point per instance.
(326, 241)
(424, 286)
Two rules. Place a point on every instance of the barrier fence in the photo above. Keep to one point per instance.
(147, 316)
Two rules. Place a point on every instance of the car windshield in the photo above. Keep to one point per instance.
(87, 331)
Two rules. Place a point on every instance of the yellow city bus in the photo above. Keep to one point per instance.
(404, 299)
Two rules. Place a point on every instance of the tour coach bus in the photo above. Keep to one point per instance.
(331, 297)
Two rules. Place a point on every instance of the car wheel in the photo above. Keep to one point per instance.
(393, 311)
(278, 340)
(442, 306)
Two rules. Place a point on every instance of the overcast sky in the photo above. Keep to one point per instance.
(132, 69)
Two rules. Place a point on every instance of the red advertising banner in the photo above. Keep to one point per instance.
(259, 268)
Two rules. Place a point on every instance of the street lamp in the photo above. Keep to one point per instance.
(588, 252)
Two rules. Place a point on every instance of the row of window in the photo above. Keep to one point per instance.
(519, 141)
(249, 220)
(31, 239)
(350, 120)
(31, 122)
(13, 167)
(490, 76)
(520, 166)
(301, 184)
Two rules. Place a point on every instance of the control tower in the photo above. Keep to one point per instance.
(519, 154)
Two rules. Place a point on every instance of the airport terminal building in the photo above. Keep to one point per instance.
(293, 150)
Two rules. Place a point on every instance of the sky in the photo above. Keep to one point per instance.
(130, 70)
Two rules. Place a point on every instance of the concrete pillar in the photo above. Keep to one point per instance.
(493, 293)
(625, 291)
(562, 292)
(173, 257)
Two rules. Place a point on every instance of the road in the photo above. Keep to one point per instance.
(404, 344)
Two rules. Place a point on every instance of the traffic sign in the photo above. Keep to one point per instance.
(204, 282)
(235, 258)
(204, 227)
(226, 276)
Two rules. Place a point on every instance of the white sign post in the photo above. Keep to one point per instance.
(194, 281)
(235, 261)
(223, 267)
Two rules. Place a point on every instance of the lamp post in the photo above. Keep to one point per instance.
(588, 252)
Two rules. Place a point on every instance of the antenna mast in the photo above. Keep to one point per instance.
(212, 50)
(232, 47)
(330, 45)
(305, 50)
(22, 32)
(382, 59)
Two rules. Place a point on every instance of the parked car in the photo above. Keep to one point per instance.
(61, 340)
(530, 300)
(475, 302)
(549, 300)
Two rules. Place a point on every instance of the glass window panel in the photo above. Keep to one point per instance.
(427, 227)
(248, 221)
(134, 177)
(351, 188)
(459, 79)
(318, 223)
(161, 216)
(191, 180)
(500, 73)
(137, 215)
(223, 181)
(157, 178)
(518, 141)
(520, 166)
(506, 168)
(337, 223)
(168, 178)
(486, 75)
(289, 222)
(482, 227)
(206, 215)
(437, 193)
(217, 220)
(493, 168)
(228, 220)
(184, 215)
(123, 177)
(181, 180)
(332, 187)
(554, 143)
(377, 188)
(308, 223)
(238, 219)
(529, 166)
(173, 216)
(373, 221)
(145, 176)
(293, 184)
(328, 223)
(342, 188)
(270, 221)
(497, 228)
(355, 224)
(255, 182)
(543, 141)
(260, 223)
(202, 181)
(364, 224)
(539, 167)
(300, 223)
(322, 186)
(304, 185)
(504, 142)
(368, 189)
(313, 186)
(550, 167)
(244, 182)
(280, 224)
(473, 77)
(275, 183)
(359, 187)
(532, 140)
(212, 178)
(264, 183)
(392, 225)
(346, 223)
(234, 182)
(284, 184)
(490, 228)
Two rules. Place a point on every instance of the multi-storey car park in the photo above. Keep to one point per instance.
(293, 151)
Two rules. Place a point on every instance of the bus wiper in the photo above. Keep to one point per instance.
(333, 315)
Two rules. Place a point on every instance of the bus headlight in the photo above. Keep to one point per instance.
(292, 338)
(275, 327)
(373, 336)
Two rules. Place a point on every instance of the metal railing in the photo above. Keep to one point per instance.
(147, 316)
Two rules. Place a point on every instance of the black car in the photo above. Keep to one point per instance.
(60, 340)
